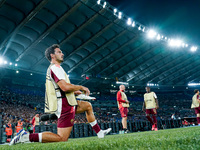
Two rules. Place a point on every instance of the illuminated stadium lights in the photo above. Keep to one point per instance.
(125, 83)
(10, 63)
(17, 71)
(115, 11)
(158, 37)
(133, 24)
(104, 4)
(129, 22)
(15, 65)
(193, 48)
(175, 43)
(183, 45)
(151, 34)
(112, 85)
(120, 15)
(99, 2)
(143, 29)
(5, 62)
(151, 84)
(193, 84)
(31, 74)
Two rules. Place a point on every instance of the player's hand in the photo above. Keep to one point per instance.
(127, 101)
(77, 92)
(85, 90)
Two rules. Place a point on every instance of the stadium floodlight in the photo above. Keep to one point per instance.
(175, 43)
(193, 49)
(99, 2)
(112, 85)
(15, 65)
(151, 34)
(31, 74)
(139, 28)
(10, 63)
(152, 84)
(183, 45)
(115, 11)
(133, 24)
(165, 38)
(143, 29)
(178, 43)
(158, 37)
(193, 84)
(186, 45)
(125, 83)
(129, 22)
(17, 71)
(5, 62)
(120, 15)
(104, 4)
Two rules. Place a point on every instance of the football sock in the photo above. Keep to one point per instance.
(35, 137)
(95, 126)
(155, 121)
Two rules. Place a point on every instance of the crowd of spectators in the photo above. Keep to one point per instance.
(23, 103)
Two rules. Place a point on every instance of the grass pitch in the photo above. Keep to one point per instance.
(171, 139)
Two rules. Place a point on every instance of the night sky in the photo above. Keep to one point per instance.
(173, 18)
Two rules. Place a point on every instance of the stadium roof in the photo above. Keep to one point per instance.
(96, 43)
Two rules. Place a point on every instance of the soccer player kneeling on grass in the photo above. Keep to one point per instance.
(195, 104)
(151, 104)
(60, 99)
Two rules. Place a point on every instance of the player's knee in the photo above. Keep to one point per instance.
(89, 106)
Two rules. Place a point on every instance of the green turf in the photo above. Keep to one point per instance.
(171, 139)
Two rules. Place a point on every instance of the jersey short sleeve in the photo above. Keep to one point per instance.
(154, 95)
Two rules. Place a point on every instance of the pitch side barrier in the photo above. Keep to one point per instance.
(85, 130)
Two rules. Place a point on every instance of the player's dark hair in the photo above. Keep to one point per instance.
(51, 50)
(196, 90)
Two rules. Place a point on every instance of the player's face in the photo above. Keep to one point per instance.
(59, 56)
(123, 87)
(147, 89)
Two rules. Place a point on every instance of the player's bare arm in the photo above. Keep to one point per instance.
(157, 106)
(143, 107)
(67, 87)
